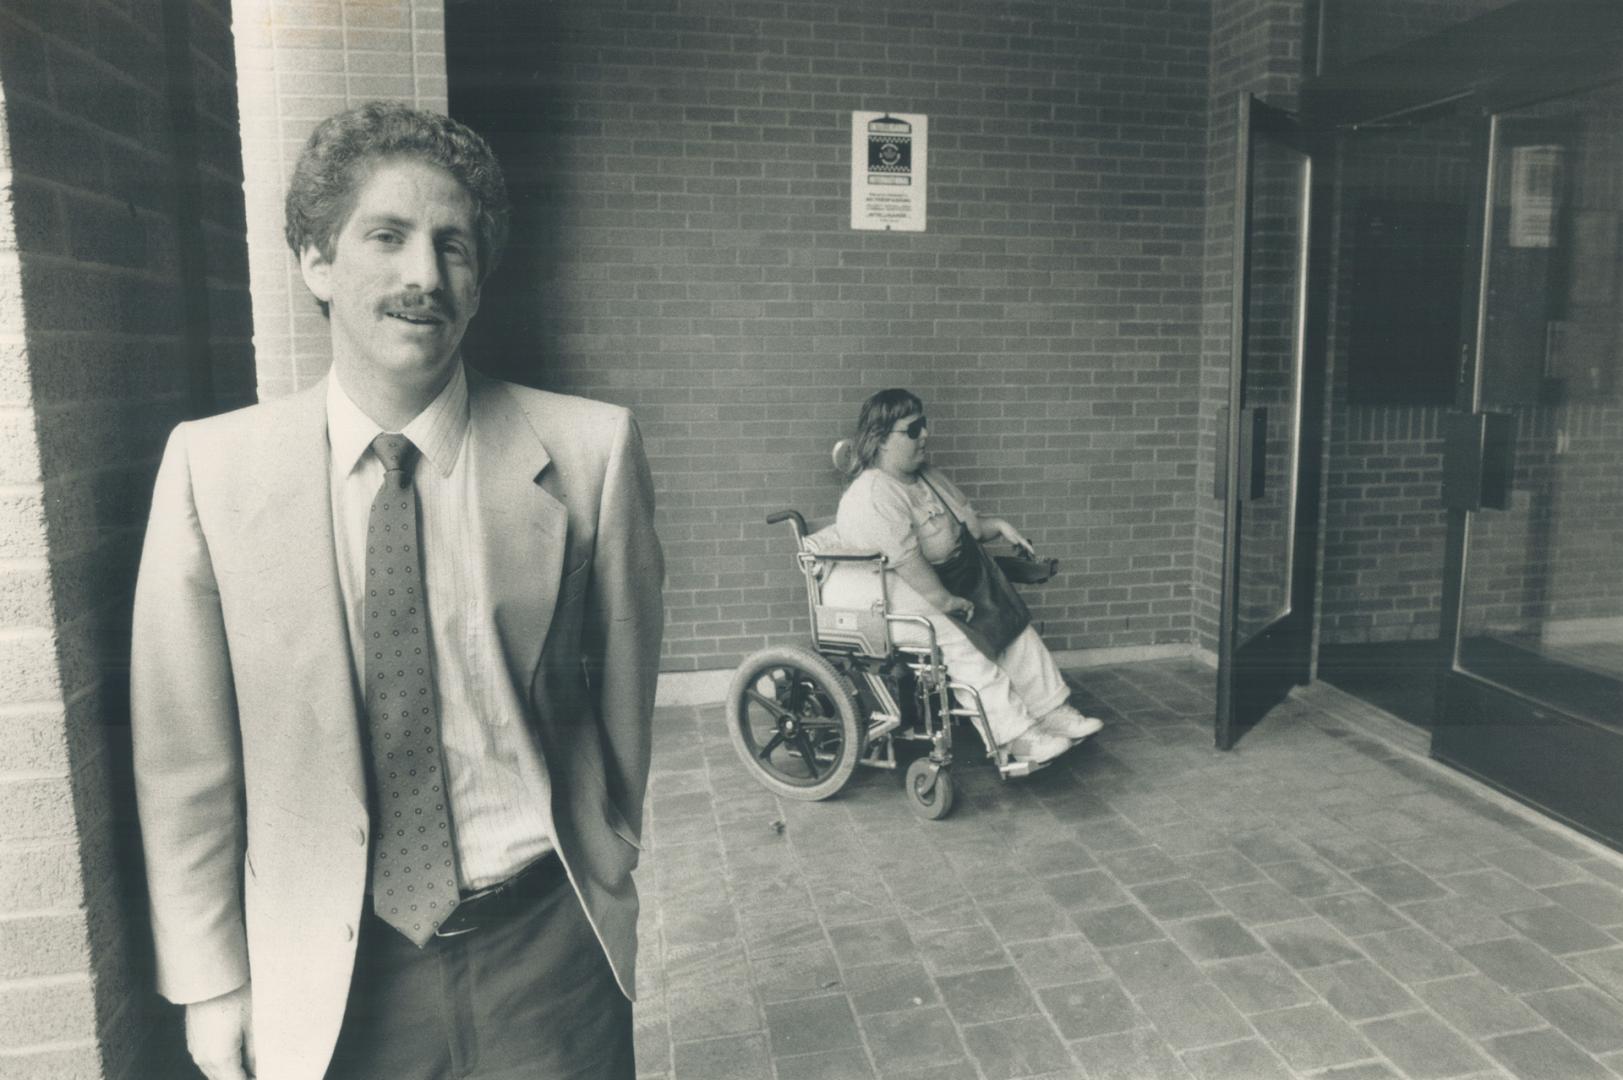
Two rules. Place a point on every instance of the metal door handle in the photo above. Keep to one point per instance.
(1254, 452)
(1478, 460)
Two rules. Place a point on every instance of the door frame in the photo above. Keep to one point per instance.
(1505, 54)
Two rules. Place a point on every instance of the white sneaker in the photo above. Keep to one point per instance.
(1067, 723)
(1037, 746)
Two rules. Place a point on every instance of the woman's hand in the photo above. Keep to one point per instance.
(922, 577)
(1012, 535)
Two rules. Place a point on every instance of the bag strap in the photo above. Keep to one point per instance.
(944, 500)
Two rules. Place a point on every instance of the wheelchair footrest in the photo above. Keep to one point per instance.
(1013, 770)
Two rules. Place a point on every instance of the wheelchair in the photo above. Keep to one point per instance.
(802, 718)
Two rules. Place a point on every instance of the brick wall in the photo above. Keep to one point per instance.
(683, 246)
(300, 62)
(1383, 548)
(119, 315)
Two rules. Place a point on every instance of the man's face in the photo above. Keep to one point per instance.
(403, 280)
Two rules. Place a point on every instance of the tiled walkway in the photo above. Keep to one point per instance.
(1314, 903)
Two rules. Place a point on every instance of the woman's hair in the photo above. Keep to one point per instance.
(876, 421)
(343, 150)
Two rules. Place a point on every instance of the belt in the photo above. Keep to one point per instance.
(482, 907)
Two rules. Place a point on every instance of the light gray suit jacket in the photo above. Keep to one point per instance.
(247, 724)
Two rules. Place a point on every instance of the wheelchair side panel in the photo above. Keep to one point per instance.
(852, 628)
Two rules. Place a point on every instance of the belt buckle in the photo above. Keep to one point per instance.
(478, 894)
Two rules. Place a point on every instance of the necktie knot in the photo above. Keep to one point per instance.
(398, 455)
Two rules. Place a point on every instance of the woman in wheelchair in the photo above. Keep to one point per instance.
(899, 505)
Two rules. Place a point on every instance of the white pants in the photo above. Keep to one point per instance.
(1016, 690)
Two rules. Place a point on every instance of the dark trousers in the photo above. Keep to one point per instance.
(527, 996)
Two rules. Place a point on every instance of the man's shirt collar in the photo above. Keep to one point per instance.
(438, 431)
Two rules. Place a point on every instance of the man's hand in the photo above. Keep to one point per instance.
(220, 1035)
(958, 605)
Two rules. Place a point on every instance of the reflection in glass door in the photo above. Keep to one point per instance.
(1270, 388)
(1542, 602)
(1535, 700)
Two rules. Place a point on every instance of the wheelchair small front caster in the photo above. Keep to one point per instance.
(929, 789)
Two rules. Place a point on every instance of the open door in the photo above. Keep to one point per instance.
(1268, 475)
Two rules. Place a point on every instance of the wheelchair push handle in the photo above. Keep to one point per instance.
(789, 515)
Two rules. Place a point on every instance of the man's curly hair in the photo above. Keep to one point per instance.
(344, 149)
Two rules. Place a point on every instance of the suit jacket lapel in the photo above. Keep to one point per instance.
(524, 526)
(296, 508)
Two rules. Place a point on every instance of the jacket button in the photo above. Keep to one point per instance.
(349, 932)
(360, 836)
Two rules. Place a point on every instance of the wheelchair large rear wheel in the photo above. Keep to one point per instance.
(794, 722)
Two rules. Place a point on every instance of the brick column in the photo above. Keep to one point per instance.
(47, 1008)
(123, 308)
(298, 63)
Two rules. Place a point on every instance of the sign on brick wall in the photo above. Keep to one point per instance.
(889, 161)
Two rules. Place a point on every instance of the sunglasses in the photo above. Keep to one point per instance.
(913, 430)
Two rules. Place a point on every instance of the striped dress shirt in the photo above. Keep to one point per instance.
(498, 783)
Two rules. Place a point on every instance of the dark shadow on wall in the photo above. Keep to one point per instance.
(504, 84)
(127, 193)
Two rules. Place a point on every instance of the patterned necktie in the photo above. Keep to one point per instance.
(414, 884)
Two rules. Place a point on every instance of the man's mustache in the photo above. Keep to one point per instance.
(419, 305)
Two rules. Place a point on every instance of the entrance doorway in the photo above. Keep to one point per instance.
(1404, 194)
(1472, 560)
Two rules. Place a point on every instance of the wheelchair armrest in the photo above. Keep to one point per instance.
(1022, 570)
(870, 557)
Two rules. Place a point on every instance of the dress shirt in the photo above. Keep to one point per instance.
(498, 785)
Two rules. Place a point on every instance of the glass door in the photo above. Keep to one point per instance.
(1268, 477)
(1533, 698)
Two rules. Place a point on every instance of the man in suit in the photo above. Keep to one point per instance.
(395, 646)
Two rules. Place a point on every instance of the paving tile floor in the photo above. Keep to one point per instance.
(1315, 903)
